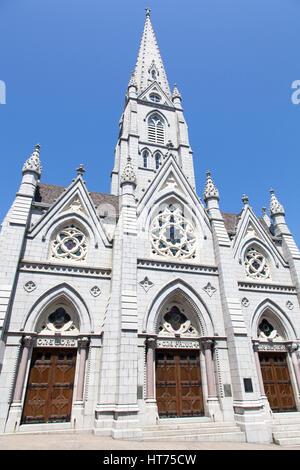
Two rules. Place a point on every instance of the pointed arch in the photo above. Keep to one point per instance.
(198, 309)
(156, 129)
(62, 292)
(261, 246)
(157, 159)
(273, 313)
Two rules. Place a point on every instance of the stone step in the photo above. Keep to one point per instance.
(285, 434)
(283, 418)
(186, 432)
(286, 427)
(187, 426)
(236, 436)
(187, 420)
(287, 441)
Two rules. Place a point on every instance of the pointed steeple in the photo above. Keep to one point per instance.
(149, 66)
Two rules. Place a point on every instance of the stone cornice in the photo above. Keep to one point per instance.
(65, 270)
(156, 105)
(263, 287)
(177, 267)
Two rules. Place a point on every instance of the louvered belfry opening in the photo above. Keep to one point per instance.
(156, 132)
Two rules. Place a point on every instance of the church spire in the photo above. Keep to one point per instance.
(149, 66)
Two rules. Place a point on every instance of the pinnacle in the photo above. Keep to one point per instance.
(210, 189)
(33, 163)
(275, 206)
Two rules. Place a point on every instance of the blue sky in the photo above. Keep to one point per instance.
(66, 65)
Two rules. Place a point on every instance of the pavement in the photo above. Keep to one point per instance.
(85, 441)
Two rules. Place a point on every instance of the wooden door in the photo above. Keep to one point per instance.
(50, 386)
(178, 383)
(277, 382)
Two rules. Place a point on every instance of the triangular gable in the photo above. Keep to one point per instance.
(250, 228)
(169, 181)
(75, 200)
(154, 87)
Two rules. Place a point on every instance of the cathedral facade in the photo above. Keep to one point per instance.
(128, 313)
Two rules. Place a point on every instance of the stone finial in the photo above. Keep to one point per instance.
(210, 189)
(128, 175)
(80, 170)
(245, 199)
(147, 11)
(132, 81)
(275, 206)
(33, 163)
(176, 93)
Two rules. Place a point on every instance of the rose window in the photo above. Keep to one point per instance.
(256, 265)
(173, 235)
(70, 244)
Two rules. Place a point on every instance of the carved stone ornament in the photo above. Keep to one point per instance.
(95, 291)
(75, 206)
(128, 175)
(267, 332)
(256, 265)
(210, 189)
(275, 206)
(175, 323)
(245, 302)
(69, 244)
(289, 305)
(59, 321)
(146, 284)
(173, 235)
(30, 286)
(33, 163)
(209, 289)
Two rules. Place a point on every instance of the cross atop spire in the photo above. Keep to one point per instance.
(149, 66)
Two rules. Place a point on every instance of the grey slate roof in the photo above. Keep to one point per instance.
(48, 193)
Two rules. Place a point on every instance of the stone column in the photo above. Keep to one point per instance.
(292, 348)
(212, 404)
(211, 384)
(83, 345)
(258, 369)
(151, 344)
(27, 344)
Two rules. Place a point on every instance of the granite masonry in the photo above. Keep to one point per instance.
(147, 313)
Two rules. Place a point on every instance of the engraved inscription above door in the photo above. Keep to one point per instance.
(277, 381)
(50, 386)
(178, 383)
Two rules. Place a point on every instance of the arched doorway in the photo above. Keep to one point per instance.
(50, 384)
(178, 380)
(273, 353)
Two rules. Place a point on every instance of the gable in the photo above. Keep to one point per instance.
(155, 90)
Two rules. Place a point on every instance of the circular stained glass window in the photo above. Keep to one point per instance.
(173, 235)
(256, 265)
(70, 244)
